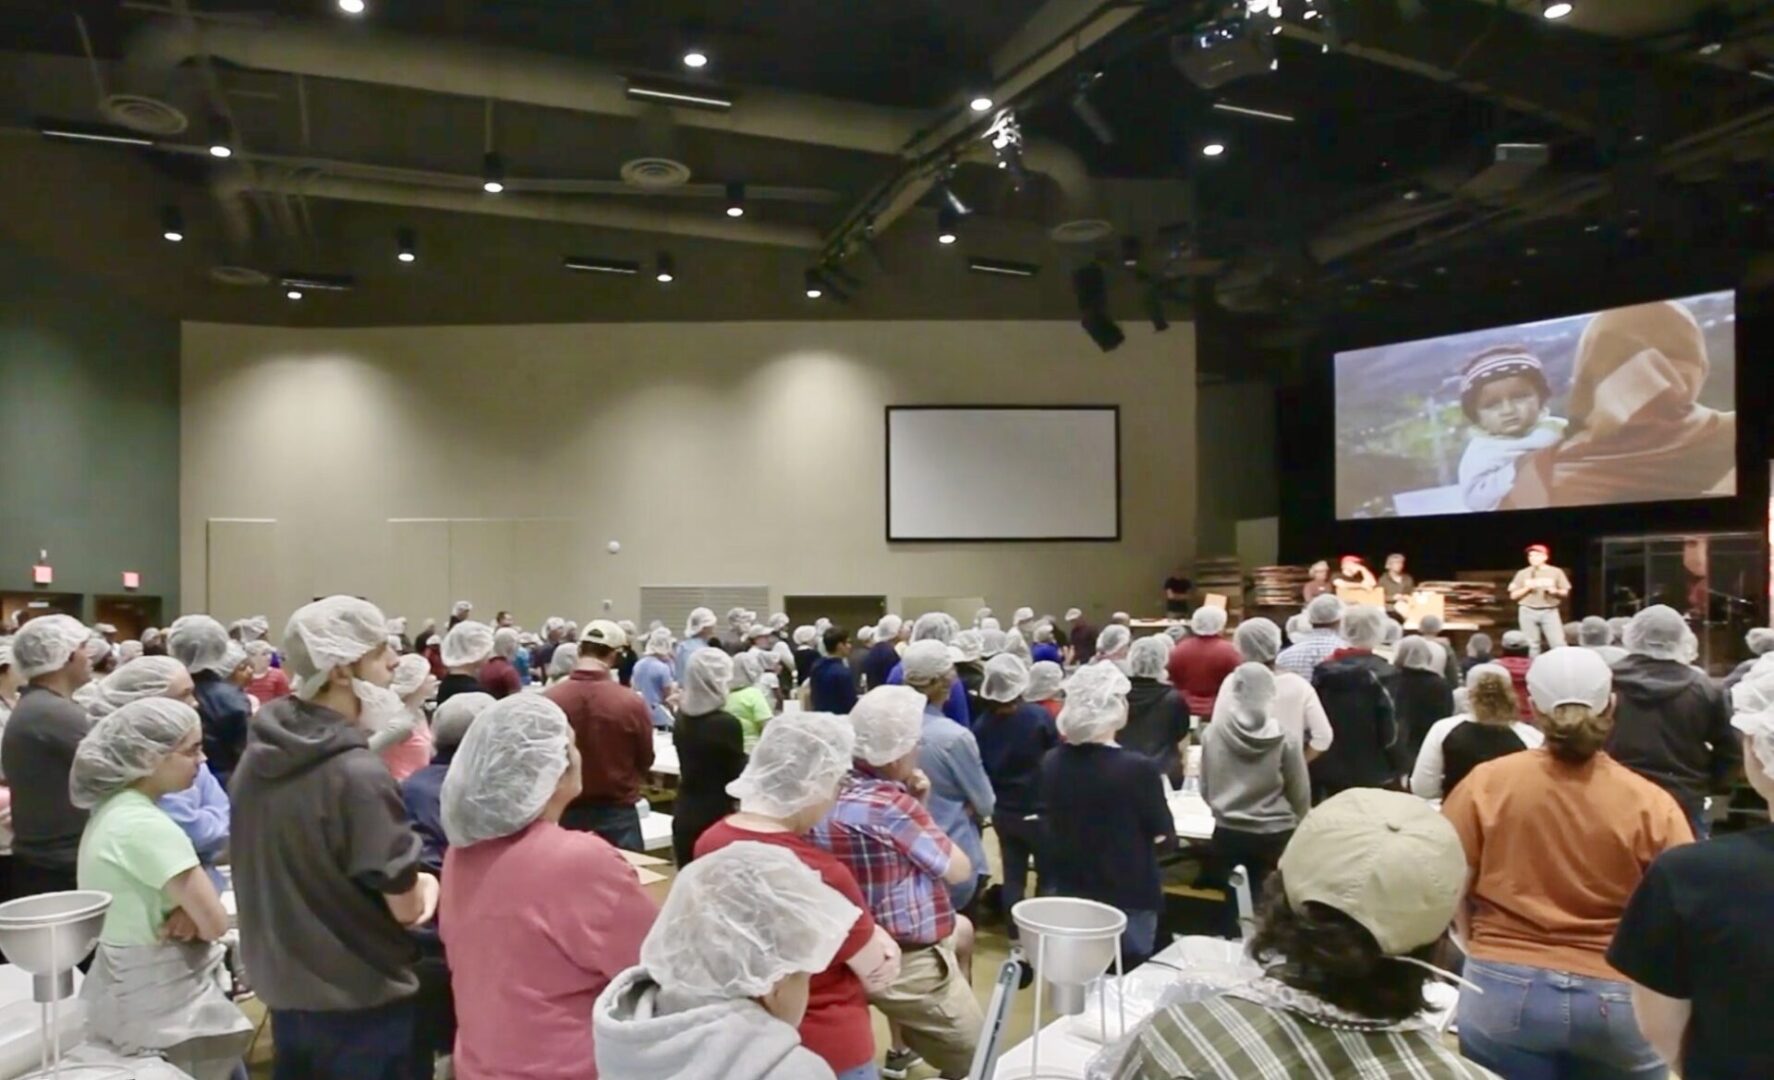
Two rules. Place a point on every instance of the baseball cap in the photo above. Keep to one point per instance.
(1385, 859)
(604, 632)
(1515, 639)
(1570, 677)
(1541, 548)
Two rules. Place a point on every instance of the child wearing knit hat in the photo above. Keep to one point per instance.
(1504, 393)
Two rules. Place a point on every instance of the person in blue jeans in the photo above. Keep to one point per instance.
(960, 794)
(1556, 841)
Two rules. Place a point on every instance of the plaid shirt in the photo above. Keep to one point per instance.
(897, 853)
(1233, 1037)
(1310, 648)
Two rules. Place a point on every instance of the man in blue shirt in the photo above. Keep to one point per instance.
(699, 632)
(653, 678)
(949, 756)
(832, 687)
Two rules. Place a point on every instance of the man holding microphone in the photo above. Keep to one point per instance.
(1539, 588)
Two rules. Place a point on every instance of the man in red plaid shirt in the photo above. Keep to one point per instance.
(904, 863)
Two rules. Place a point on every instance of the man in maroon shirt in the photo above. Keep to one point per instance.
(499, 676)
(614, 732)
(1201, 662)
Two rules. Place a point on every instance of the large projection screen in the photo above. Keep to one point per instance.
(1004, 473)
(1629, 405)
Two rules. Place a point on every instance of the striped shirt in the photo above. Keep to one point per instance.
(1252, 1033)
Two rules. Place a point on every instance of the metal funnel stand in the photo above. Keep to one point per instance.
(1071, 943)
(49, 936)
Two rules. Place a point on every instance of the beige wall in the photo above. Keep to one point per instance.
(411, 464)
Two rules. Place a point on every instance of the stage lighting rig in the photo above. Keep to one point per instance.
(1006, 137)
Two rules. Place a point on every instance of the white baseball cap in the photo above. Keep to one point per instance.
(1570, 677)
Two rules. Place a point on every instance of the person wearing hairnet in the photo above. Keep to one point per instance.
(938, 627)
(1045, 644)
(421, 792)
(865, 641)
(498, 676)
(1391, 633)
(710, 742)
(968, 650)
(1296, 707)
(1694, 941)
(37, 751)
(1157, 718)
(327, 871)
(653, 678)
(960, 794)
(699, 633)
(10, 684)
(1201, 662)
(268, 683)
(1106, 819)
(1425, 696)
(466, 649)
(1672, 725)
(1324, 636)
(536, 918)
(201, 644)
(404, 739)
(1358, 691)
(1556, 840)
(788, 786)
(153, 983)
(882, 832)
(1478, 651)
(1014, 736)
(629, 655)
(543, 654)
(1516, 657)
(725, 976)
(1429, 628)
(806, 652)
(1044, 687)
(832, 686)
(613, 733)
(883, 655)
(459, 612)
(1253, 778)
(1488, 728)
(1017, 645)
(1760, 641)
(1112, 645)
(746, 698)
(562, 663)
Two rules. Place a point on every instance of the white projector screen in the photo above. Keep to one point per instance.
(1003, 473)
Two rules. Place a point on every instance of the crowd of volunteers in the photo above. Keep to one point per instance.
(415, 850)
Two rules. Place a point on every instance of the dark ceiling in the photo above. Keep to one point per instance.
(1377, 188)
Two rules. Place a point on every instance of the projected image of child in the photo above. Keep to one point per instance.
(1504, 394)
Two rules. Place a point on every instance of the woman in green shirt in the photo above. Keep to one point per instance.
(747, 703)
(153, 987)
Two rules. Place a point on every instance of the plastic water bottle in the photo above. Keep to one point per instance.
(643, 808)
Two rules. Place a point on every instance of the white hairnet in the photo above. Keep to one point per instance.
(864, 636)
(1007, 678)
(990, 625)
(410, 673)
(1044, 681)
(397, 626)
(200, 643)
(506, 769)
(805, 636)
(257, 649)
(1297, 624)
(969, 647)
(779, 621)
(991, 641)
(554, 624)
(146, 677)
(658, 643)
(1430, 625)
(335, 632)
(234, 659)
(742, 919)
(796, 765)
(1752, 702)
(450, 723)
(1096, 703)
(1121, 617)
(1593, 631)
(1258, 640)
(1657, 632)
(1074, 614)
(980, 616)
(1176, 632)
(1250, 690)
(627, 627)
(461, 608)
(888, 628)
(46, 644)
(96, 647)
(1207, 621)
(505, 642)
(889, 721)
(5, 651)
(128, 650)
(1147, 658)
(1760, 640)
(1114, 640)
(564, 660)
(707, 677)
(126, 746)
(1364, 626)
(748, 670)
(926, 661)
(1326, 609)
(1022, 615)
(1418, 655)
(1044, 633)
(701, 619)
(1016, 645)
(934, 626)
(467, 643)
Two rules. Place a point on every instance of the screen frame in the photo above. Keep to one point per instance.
(887, 490)
(1359, 334)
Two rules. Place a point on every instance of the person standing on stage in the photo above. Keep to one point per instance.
(1539, 587)
(1317, 581)
(1395, 582)
(1177, 588)
(1353, 571)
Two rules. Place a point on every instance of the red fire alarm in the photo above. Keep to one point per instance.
(132, 580)
(42, 574)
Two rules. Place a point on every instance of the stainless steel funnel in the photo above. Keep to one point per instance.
(1070, 942)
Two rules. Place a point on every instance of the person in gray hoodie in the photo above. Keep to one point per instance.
(1253, 776)
(723, 980)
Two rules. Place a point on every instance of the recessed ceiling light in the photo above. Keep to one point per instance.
(814, 285)
(172, 225)
(665, 270)
(221, 150)
(1277, 30)
(948, 225)
(492, 171)
(735, 200)
(1557, 9)
(173, 236)
(351, 7)
(294, 294)
(695, 58)
(980, 104)
(1213, 149)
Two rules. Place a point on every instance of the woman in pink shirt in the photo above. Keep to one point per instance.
(406, 747)
(536, 920)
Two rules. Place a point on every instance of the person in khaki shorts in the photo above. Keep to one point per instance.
(1539, 587)
(881, 830)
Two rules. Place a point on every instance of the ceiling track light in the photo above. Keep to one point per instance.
(814, 284)
(1213, 149)
(221, 143)
(695, 59)
(172, 225)
(492, 173)
(948, 225)
(620, 267)
(352, 7)
(406, 244)
(294, 294)
(664, 269)
(1556, 9)
(1003, 268)
(735, 200)
(981, 103)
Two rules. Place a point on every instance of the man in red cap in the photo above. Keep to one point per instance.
(1539, 587)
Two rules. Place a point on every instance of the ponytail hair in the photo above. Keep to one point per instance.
(1575, 732)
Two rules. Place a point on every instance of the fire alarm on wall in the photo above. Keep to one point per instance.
(132, 580)
(42, 574)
